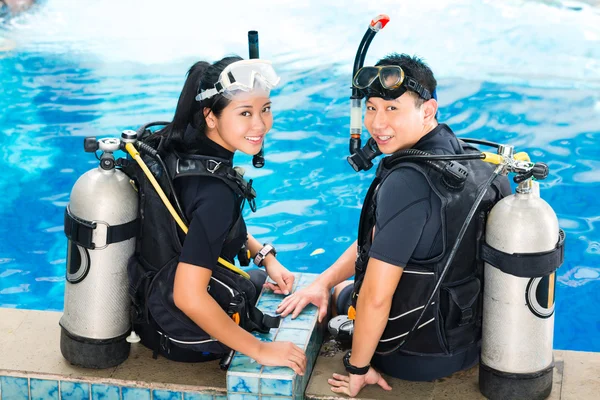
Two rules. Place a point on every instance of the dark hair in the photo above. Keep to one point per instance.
(415, 68)
(201, 76)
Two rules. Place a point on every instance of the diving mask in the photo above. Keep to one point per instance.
(243, 76)
(392, 78)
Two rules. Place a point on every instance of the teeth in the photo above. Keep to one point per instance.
(252, 138)
(384, 137)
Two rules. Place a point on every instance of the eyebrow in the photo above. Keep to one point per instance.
(249, 106)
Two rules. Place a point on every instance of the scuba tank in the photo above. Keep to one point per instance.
(101, 225)
(523, 247)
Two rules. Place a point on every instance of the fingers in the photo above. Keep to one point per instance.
(345, 390)
(299, 307)
(336, 383)
(323, 310)
(339, 377)
(381, 382)
(287, 306)
(282, 285)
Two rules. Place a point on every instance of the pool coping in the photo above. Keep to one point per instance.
(29, 348)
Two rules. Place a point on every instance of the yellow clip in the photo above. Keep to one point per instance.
(351, 313)
(493, 158)
(236, 318)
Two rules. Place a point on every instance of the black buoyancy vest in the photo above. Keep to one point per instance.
(452, 322)
(151, 270)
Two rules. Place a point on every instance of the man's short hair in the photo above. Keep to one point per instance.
(415, 68)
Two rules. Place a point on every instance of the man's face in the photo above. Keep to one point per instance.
(395, 124)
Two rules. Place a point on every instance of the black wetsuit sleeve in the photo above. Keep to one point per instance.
(211, 208)
(403, 209)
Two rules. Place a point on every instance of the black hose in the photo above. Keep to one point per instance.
(451, 256)
(481, 142)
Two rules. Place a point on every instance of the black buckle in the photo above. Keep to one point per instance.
(466, 316)
(212, 168)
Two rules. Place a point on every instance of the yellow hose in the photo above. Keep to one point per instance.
(522, 156)
(136, 156)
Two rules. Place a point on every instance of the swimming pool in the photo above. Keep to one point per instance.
(532, 83)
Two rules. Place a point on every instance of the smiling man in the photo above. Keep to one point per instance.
(409, 224)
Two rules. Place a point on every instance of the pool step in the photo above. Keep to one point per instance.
(248, 380)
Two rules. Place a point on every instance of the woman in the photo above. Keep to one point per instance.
(223, 108)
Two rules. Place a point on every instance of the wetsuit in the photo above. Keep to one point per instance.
(408, 225)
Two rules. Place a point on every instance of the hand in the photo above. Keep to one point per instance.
(284, 279)
(284, 354)
(316, 293)
(352, 384)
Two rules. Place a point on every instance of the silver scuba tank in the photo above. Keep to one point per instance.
(524, 246)
(101, 225)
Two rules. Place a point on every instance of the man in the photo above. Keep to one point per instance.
(409, 224)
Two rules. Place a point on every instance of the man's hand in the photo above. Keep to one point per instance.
(316, 293)
(352, 384)
(284, 279)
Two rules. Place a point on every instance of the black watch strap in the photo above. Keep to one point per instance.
(352, 369)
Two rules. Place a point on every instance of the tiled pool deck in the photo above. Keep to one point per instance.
(31, 367)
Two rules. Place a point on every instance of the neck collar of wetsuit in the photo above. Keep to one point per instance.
(207, 147)
(423, 143)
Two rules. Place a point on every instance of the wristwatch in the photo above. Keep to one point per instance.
(263, 253)
(352, 369)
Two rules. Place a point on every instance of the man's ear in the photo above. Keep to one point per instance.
(209, 117)
(430, 108)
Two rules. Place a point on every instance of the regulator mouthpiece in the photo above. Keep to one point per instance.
(362, 159)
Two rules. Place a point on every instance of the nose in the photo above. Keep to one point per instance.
(379, 120)
(259, 123)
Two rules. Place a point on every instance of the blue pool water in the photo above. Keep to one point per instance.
(505, 77)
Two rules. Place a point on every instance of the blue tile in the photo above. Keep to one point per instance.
(201, 396)
(285, 371)
(42, 389)
(14, 388)
(302, 321)
(265, 337)
(236, 396)
(105, 392)
(74, 390)
(220, 398)
(128, 393)
(242, 363)
(277, 387)
(242, 383)
(166, 395)
(297, 336)
(275, 398)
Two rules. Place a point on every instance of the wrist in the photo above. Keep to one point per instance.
(261, 256)
(353, 368)
(255, 349)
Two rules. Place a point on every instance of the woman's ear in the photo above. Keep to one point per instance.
(209, 117)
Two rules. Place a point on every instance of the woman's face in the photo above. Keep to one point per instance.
(242, 125)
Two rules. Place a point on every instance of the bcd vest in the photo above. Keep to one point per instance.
(452, 322)
(152, 269)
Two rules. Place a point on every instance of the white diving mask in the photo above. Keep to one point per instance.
(245, 76)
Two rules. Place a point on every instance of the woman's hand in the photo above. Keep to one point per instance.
(284, 354)
(316, 293)
(284, 279)
(352, 384)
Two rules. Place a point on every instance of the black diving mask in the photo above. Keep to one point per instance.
(392, 82)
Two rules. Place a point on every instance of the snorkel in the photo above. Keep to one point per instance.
(360, 158)
(258, 160)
